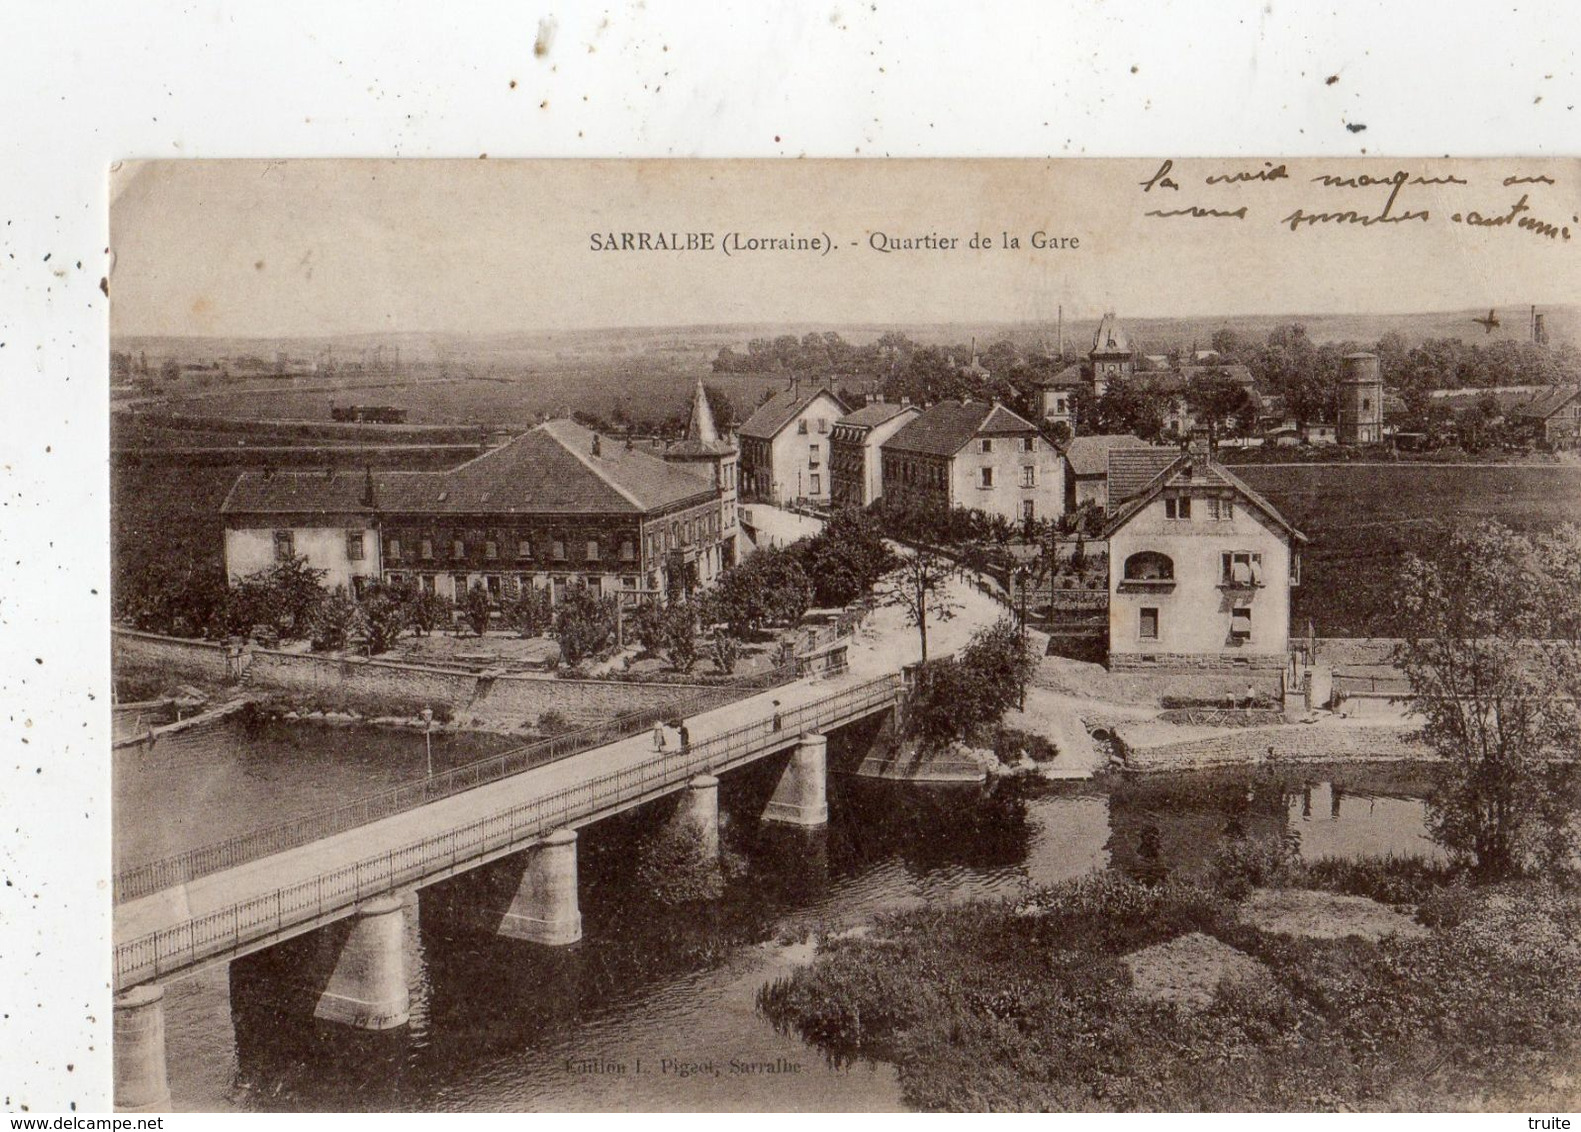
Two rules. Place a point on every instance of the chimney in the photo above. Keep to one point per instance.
(596, 446)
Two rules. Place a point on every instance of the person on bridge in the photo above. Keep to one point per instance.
(779, 721)
(658, 736)
(686, 737)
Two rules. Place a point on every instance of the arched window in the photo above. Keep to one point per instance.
(1149, 566)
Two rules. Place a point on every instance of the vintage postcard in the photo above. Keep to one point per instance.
(846, 635)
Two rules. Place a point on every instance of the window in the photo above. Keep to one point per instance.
(1029, 444)
(1241, 623)
(987, 446)
(354, 546)
(592, 550)
(817, 483)
(823, 426)
(1241, 568)
(1221, 510)
(524, 548)
(1029, 476)
(801, 428)
(458, 586)
(284, 545)
(1177, 507)
(397, 579)
(392, 549)
(430, 584)
(988, 477)
(428, 548)
(1147, 630)
(1366, 403)
(359, 586)
(1029, 510)
(1149, 566)
(1295, 569)
(812, 454)
(492, 582)
(628, 550)
(557, 550)
(628, 582)
(458, 548)
(491, 549)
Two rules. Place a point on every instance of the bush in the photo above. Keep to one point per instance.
(584, 624)
(333, 622)
(381, 616)
(553, 723)
(530, 613)
(725, 652)
(1244, 863)
(477, 607)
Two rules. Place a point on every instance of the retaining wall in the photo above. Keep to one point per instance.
(138, 653)
(1248, 746)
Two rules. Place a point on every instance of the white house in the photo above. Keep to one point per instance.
(979, 455)
(785, 446)
(1200, 571)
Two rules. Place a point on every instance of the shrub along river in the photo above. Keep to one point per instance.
(655, 1008)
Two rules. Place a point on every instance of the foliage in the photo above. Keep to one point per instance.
(952, 697)
(425, 609)
(647, 625)
(530, 613)
(680, 635)
(476, 608)
(1027, 1006)
(725, 652)
(770, 587)
(845, 559)
(1217, 399)
(919, 588)
(584, 624)
(381, 616)
(1244, 863)
(284, 596)
(675, 866)
(1493, 676)
(332, 624)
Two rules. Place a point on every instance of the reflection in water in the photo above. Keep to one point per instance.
(655, 1008)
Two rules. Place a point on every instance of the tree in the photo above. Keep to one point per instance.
(1490, 677)
(680, 635)
(1217, 399)
(954, 696)
(725, 652)
(845, 559)
(919, 587)
(530, 612)
(332, 624)
(285, 596)
(584, 624)
(476, 608)
(381, 615)
(647, 625)
(426, 610)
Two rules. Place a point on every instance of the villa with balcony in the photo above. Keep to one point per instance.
(1200, 572)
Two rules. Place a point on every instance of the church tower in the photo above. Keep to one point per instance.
(1111, 356)
(703, 452)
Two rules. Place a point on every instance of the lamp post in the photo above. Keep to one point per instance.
(428, 738)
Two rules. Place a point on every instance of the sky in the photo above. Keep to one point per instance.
(317, 247)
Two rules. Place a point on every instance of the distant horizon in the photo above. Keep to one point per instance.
(866, 324)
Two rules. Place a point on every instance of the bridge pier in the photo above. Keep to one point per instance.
(141, 1081)
(366, 987)
(801, 796)
(700, 808)
(532, 895)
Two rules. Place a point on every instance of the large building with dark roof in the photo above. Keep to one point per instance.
(558, 506)
(978, 455)
(785, 445)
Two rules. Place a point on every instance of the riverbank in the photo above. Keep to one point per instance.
(1107, 993)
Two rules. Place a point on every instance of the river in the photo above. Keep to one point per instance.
(655, 1010)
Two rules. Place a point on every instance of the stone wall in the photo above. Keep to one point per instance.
(1248, 746)
(382, 687)
(1198, 662)
(133, 653)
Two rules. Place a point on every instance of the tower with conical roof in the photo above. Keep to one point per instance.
(1112, 355)
(704, 452)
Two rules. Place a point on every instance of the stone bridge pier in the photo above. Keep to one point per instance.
(532, 895)
(141, 1081)
(801, 796)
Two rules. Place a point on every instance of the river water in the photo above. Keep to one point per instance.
(656, 1010)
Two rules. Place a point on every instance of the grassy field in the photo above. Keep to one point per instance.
(1363, 521)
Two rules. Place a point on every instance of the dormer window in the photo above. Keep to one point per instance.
(1177, 507)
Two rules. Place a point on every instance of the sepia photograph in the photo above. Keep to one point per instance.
(1084, 635)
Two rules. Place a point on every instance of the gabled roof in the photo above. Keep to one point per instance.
(1547, 404)
(1175, 380)
(1132, 469)
(871, 416)
(1069, 376)
(1192, 468)
(1089, 455)
(771, 417)
(944, 429)
(550, 470)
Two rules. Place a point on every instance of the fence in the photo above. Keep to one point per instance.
(167, 872)
(150, 956)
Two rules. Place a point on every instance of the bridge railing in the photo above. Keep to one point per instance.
(229, 929)
(155, 876)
